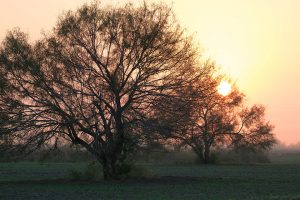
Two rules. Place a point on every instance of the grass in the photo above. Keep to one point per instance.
(30, 180)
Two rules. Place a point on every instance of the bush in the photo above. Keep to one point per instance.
(92, 172)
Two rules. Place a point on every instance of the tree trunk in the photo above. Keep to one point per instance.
(109, 169)
(206, 154)
(199, 153)
(116, 147)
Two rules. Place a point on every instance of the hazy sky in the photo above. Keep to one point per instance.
(257, 42)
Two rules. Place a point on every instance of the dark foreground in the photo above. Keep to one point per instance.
(49, 181)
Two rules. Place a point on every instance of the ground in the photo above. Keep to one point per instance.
(31, 180)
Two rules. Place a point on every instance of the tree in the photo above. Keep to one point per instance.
(94, 79)
(202, 118)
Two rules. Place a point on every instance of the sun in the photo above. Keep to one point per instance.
(224, 88)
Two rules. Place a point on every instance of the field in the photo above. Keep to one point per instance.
(32, 180)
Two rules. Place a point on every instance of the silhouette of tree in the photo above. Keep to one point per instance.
(202, 118)
(94, 80)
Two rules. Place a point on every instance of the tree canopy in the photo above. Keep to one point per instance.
(94, 79)
(202, 118)
(104, 74)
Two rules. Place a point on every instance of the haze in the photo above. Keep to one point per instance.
(255, 42)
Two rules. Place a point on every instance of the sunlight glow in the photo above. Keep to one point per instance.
(224, 88)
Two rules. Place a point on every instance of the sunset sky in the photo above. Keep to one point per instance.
(256, 42)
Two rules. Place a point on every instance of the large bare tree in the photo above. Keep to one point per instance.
(94, 79)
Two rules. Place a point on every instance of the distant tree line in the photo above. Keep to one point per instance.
(114, 80)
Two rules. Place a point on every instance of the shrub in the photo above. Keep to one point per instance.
(92, 172)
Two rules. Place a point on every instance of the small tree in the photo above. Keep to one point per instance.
(202, 118)
(94, 79)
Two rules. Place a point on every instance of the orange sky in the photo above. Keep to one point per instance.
(256, 42)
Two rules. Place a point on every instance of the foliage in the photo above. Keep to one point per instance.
(93, 80)
(203, 119)
(90, 173)
(116, 81)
